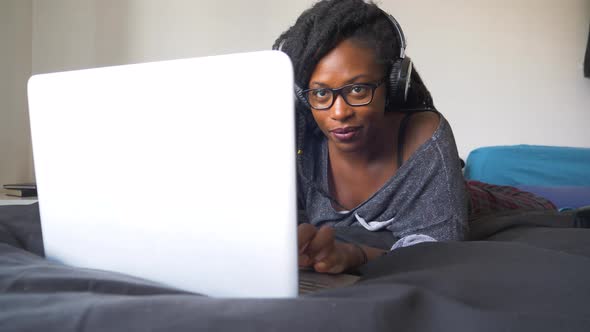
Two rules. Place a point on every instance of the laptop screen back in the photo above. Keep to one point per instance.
(181, 172)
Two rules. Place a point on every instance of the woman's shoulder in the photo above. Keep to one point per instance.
(420, 128)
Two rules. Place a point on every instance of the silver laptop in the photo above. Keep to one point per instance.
(180, 172)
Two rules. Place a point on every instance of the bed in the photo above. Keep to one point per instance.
(525, 271)
(558, 173)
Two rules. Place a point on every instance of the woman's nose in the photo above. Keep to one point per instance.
(340, 110)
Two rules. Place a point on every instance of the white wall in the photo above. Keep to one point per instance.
(15, 68)
(502, 71)
(73, 34)
(64, 35)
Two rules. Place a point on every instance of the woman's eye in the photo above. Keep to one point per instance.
(320, 93)
(359, 89)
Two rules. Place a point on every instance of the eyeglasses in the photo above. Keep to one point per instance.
(355, 94)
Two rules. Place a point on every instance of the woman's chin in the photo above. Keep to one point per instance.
(348, 146)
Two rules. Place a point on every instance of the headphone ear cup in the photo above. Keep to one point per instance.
(399, 81)
(393, 94)
(405, 78)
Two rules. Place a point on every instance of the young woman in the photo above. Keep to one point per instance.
(378, 165)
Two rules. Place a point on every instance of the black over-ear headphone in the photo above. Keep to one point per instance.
(400, 73)
(401, 69)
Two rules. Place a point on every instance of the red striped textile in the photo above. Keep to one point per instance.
(488, 198)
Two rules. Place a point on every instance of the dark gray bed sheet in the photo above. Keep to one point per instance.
(526, 272)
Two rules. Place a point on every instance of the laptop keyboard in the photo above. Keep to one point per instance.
(310, 281)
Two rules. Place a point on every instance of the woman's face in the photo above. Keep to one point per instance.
(350, 128)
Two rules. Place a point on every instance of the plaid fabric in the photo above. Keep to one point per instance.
(487, 198)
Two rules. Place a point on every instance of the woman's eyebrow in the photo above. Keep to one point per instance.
(349, 81)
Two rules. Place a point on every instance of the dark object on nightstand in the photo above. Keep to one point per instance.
(21, 189)
(19, 186)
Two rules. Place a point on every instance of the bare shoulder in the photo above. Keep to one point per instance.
(419, 129)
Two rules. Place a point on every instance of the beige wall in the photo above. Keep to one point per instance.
(502, 71)
(15, 68)
(111, 32)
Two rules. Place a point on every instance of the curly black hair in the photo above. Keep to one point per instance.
(320, 28)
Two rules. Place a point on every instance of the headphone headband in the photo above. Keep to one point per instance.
(401, 38)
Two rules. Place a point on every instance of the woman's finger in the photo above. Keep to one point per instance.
(305, 261)
(305, 234)
(336, 260)
(331, 263)
(322, 241)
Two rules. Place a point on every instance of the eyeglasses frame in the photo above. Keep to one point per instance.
(338, 91)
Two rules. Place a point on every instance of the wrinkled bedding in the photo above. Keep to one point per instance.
(528, 271)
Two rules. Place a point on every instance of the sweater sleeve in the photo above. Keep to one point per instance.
(431, 197)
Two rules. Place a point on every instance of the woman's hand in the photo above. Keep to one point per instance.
(319, 249)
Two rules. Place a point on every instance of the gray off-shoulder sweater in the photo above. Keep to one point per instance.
(424, 201)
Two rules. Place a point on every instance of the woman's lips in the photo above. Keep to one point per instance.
(345, 134)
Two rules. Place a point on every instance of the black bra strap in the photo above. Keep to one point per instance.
(400, 139)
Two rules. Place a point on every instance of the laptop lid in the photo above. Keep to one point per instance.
(181, 172)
